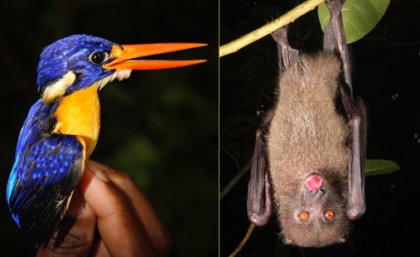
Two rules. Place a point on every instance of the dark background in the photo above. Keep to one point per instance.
(158, 126)
(386, 74)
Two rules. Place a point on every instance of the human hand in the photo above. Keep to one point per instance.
(108, 216)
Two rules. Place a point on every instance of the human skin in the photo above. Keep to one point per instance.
(108, 216)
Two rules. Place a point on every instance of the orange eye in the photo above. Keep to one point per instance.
(303, 215)
(329, 214)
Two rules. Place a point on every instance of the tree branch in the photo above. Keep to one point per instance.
(270, 27)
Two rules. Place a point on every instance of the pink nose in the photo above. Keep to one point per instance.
(313, 182)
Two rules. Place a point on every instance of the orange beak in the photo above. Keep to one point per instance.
(125, 56)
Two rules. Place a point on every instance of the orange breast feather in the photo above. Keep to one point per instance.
(79, 114)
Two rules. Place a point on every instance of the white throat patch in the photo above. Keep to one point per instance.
(120, 75)
(59, 87)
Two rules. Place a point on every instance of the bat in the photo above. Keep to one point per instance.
(309, 154)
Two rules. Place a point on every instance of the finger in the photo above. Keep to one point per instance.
(154, 227)
(100, 250)
(118, 225)
(75, 233)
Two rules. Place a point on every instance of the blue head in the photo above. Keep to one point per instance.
(83, 55)
(78, 61)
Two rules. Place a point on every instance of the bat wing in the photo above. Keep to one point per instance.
(356, 191)
(41, 183)
(335, 41)
(259, 202)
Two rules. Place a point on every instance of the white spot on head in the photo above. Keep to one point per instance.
(58, 88)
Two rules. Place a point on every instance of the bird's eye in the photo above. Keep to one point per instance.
(98, 57)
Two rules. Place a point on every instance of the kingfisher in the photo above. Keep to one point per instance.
(62, 127)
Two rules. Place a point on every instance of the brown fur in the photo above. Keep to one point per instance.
(307, 135)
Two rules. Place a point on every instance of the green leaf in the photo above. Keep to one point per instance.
(359, 17)
(379, 167)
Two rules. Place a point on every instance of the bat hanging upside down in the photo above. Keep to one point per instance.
(309, 155)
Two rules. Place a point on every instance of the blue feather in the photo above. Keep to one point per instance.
(48, 166)
(71, 53)
(42, 160)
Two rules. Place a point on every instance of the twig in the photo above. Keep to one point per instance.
(235, 180)
(270, 27)
(232, 156)
(244, 240)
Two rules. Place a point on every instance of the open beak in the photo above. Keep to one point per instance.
(125, 56)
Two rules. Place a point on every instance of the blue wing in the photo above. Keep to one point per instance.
(38, 119)
(46, 171)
